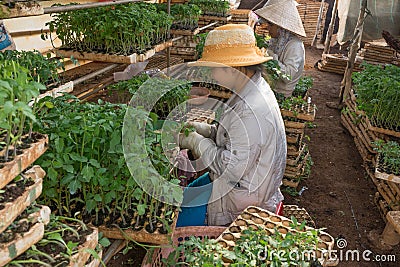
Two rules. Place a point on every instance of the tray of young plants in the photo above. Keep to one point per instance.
(87, 171)
(376, 89)
(185, 18)
(19, 194)
(19, 146)
(300, 214)
(213, 9)
(297, 107)
(43, 69)
(388, 162)
(66, 242)
(123, 34)
(26, 230)
(257, 238)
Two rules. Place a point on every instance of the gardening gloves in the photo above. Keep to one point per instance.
(195, 142)
(202, 128)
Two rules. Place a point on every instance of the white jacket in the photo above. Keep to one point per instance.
(248, 158)
(291, 61)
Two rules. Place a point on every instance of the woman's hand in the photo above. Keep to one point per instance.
(202, 128)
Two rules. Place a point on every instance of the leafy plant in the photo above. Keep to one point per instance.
(200, 40)
(376, 88)
(303, 85)
(273, 73)
(17, 89)
(389, 156)
(43, 69)
(60, 242)
(186, 16)
(212, 7)
(125, 89)
(255, 247)
(86, 168)
(120, 29)
(262, 41)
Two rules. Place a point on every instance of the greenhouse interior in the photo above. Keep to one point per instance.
(199, 133)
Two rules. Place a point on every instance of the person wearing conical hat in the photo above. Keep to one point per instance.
(285, 27)
(246, 152)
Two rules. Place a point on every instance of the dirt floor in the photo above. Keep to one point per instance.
(339, 196)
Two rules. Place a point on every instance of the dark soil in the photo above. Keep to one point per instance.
(339, 196)
(14, 190)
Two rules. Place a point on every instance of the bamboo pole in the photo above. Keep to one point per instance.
(355, 45)
(321, 8)
(57, 9)
(330, 29)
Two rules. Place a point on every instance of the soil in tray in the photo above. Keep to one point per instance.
(55, 250)
(13, 190)
(26, 141)
(20, 225)
(130, 221)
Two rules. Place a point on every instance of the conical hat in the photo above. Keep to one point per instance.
(284, 14)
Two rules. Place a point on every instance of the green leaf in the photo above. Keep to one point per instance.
(69, 168)
(141, 208)
(74, 186)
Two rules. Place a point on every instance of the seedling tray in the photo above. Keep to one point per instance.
(293, 183)
(114, 58)
(154, 258)
(11, 210)
(255, 217)
(184, 32)
(308, 114)
(139, 236)
(200, 115)
(293, 160)
(300, 214)
(58, 91)
(23, 241)
(79, 259)
(11, 169)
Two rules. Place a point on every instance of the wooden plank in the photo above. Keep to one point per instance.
(387, 176)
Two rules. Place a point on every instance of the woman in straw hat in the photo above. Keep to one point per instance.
(246, 152)
(285, 46)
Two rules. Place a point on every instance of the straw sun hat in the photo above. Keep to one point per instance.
(284, 14)
(232, 45)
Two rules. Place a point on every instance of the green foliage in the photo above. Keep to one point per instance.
(200, 39)
(262, 41)
(186, 16)
(125, 89)
(378, 94)
(212, 7)
(303, 85)
(61, 240)
(86, 167)
(273, 73)
(121, 29)
(255, 247)
(42, 69)
(389, 156)
(17, 89)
